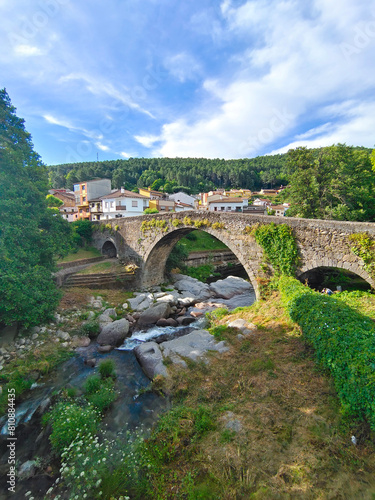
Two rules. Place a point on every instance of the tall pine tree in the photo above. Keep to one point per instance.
(28, 294)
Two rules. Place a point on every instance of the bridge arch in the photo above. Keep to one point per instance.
(109, 248)
(333, 264)
(155, 258)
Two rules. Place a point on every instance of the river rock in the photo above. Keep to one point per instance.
(81, 341)
(230, 286)
(161, 322)
(151, 360)
(153, 314)
(141, 302)
(193, 287)
(28, 469)
(242, 325)
(170, 298)
(193, 345)
(114, 333)
(185, 320)
(63, 335)
(105, 317)
(105, 348)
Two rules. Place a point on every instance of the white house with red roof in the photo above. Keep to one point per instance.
(122, 203)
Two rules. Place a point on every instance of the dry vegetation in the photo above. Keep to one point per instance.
(293, 442)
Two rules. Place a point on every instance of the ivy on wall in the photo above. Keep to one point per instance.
(279, 247)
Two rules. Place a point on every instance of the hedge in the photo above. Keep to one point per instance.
(343, 340)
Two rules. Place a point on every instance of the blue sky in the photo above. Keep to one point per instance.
(216, 79)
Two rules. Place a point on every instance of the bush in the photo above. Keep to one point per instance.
(107, 368)
(104, 396)
(70, 419)
(90, 328)
(92, 384)
(344, 343)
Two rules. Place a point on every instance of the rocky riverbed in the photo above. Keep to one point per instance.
(155, 325)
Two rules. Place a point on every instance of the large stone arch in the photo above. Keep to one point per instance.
(156, 256)
(337, 264)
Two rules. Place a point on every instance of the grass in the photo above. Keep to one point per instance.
(102, 268)
(293, 442)
(200, 241)
(82, 253)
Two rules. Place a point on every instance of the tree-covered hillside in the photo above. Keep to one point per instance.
(195, 174)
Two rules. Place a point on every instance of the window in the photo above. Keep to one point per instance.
(83, 187)
(134, 203)
(223, 208)
(112, 204)
(106, 204)
(83, 198)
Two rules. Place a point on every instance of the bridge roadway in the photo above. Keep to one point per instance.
(148, 240)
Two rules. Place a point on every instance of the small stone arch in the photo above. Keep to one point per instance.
(109, 249)
(346, 266)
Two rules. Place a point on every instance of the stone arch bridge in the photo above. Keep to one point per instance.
(148, 240)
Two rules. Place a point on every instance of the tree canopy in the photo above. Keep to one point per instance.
(31, 234)
(336, 182)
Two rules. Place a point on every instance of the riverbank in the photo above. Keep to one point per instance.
(258, 421)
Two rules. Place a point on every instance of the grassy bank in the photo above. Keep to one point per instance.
(82, 253)
(261, 421)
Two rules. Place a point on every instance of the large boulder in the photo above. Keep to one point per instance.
(114, 333)
(151, 360)
(230, 286)
(193, 345)
(191, 287)
(153, 314)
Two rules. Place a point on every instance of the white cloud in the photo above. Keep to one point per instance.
(288, 77)
(147, 140)
(27, 50)
(62, 122)
(99, 87)
(183, 67)
(123, 154)
(102, 147)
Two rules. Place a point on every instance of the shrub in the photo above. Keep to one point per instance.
(218, 225)
(92, 384)
(343, 340)
(67, 420)
(151, 211)
(107, 368)
(90, 328)
(104, 396)
(176, 222)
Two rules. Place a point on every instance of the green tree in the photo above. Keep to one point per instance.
(335, 182)
(28, 294)
(52, 201)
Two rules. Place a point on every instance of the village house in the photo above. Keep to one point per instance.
(87, 191)
(122, 203)
(227, 205)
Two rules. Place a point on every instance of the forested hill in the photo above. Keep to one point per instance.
(194, 174)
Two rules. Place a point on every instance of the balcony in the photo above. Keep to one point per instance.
(120, 208)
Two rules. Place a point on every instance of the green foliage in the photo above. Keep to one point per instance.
(176, 174)
(201, 273)
(343, 340)
(218, 225)
(103, 397)
(91, 329)
(83, 228)
(279, 246)
(177, 257)
(30, 232)
(92, 384)
(176, 223)
(107, 368)
(202, 223)
(151, 211)
(363, 246)
(335, 182)
(188, 221)
(52, 201)
(68, 420)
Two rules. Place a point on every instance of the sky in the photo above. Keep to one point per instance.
(163, 78)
